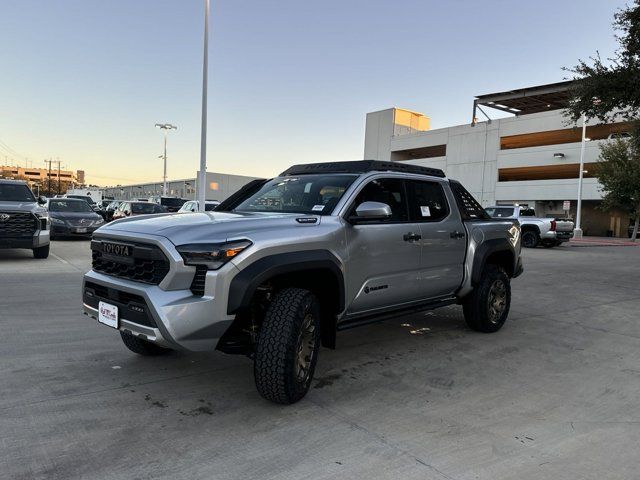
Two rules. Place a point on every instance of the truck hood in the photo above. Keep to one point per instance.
(22, 207)
(211, 227)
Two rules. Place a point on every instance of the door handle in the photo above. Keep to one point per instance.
(456, 234)
(410, 237)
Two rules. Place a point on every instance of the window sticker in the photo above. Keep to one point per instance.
(317, 208)
(425, 211)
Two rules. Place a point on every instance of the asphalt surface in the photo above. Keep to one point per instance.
(554, 394)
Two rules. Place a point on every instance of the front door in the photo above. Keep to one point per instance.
(385, 255)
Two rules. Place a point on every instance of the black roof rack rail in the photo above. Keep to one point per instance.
(360, 166)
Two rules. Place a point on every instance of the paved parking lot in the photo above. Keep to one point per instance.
(554, 394)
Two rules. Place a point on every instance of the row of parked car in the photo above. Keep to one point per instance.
(27, 221)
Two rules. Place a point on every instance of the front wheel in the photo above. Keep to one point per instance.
(41, 252)
(288, 345)
(486, 308)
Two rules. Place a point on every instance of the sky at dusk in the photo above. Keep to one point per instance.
(290, 81)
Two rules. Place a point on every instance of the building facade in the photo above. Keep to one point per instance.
(41, 175)
(219, 187)
(530, 158)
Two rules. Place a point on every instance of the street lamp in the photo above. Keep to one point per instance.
(202, 181)
(165, 127)
(577, 232)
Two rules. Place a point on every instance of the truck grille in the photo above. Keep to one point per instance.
(131, 307)
(145, 264)
(17, 224)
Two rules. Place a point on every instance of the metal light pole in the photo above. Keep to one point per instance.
(202, 180)
(577, 232)
(165, 127)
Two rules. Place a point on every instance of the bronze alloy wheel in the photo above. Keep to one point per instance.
(305, 347)
(497, 301)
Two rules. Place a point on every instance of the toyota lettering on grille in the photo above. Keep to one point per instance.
(4, 217)
(116, 249)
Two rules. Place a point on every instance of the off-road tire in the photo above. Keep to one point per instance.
(476, 306)
(41, 252)
(142, 347)
(276, 371)
(530, 239)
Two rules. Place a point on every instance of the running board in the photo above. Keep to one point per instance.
(380, 317)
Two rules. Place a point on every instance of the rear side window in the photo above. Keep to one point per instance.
(427, 201)
(500, 212)
(385, 190)
(469, 207)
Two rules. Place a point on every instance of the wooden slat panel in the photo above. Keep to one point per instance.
(546, 172)
(558, 137)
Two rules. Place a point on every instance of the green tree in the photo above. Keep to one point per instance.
(610, 90)
(618, 171)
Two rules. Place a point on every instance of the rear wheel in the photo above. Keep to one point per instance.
(41, 252)
(288, 345)
(142, 347)
(486, 308)
(530, 239)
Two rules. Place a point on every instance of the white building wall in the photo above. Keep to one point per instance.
(473, 155)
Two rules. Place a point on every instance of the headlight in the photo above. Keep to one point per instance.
(57, 221)
(100, 221)
(44, 215)
(212, 255)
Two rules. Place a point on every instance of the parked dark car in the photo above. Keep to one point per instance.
(127, 209)
(72, 217)
(172, 204)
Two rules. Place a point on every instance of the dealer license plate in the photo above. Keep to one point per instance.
(108, 314)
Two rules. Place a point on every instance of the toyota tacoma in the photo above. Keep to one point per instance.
(277, 269)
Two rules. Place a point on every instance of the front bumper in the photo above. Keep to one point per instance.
(38, 239)
(168, 314)
(69, 231)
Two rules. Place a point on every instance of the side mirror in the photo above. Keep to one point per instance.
(42, 200)
(367, 211)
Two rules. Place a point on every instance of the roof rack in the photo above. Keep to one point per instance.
(360, 166)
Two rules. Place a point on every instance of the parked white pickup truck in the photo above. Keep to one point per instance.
(548, 232)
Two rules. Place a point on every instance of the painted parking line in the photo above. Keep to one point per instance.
(59, 258)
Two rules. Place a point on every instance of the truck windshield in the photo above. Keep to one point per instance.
(306, 194)
(498, 212)
(17, 192)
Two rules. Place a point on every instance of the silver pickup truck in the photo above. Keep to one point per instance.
(548, 232)
(284, 264)
(24, 222)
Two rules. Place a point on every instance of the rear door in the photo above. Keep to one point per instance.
(384, 255)
(443, 239)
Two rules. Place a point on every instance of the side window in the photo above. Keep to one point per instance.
(428, 202)
(385, 190)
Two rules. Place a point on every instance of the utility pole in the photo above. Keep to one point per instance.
(577, 232)
(202, 180)
(48, 178)
(165, 127)
(58, 160)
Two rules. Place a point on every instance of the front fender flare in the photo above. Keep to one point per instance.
(244, 285)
